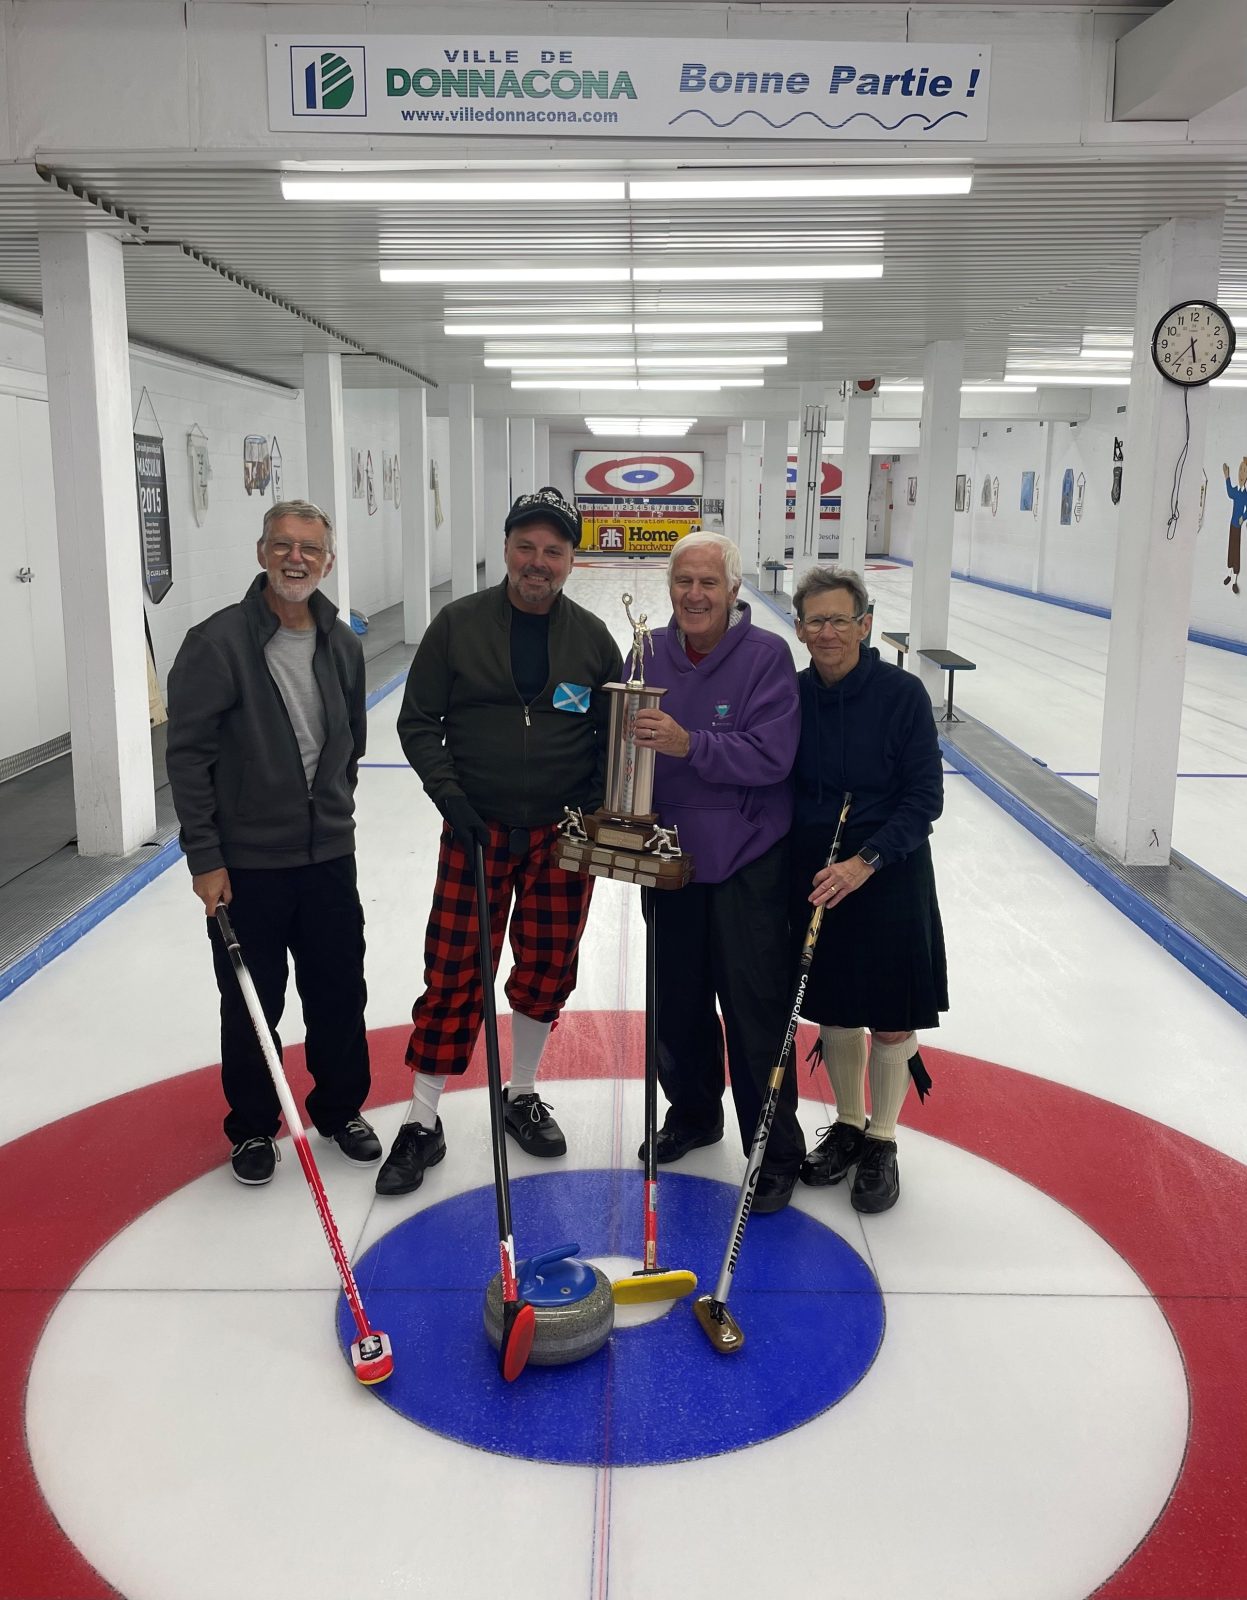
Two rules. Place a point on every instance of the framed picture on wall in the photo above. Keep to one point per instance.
(1028, 491)
(963, 491)
(911, 492)
(985, 499)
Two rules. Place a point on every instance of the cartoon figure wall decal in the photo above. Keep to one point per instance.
(1238, 515)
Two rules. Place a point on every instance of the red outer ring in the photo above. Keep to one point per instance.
(1100, 1160)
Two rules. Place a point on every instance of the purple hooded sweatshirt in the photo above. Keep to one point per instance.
(730, 797)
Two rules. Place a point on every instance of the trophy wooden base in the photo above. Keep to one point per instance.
(601, 860)
(620, 833)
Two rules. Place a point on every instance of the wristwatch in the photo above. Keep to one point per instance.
(870, 856)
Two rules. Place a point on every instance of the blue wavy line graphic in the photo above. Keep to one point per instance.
(749, 111)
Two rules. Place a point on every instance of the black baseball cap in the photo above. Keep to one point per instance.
(546, 505)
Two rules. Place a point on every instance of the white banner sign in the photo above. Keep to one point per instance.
(627, 88)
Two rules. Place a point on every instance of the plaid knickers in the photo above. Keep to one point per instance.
(547, 920)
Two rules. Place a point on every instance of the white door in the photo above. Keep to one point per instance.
(19, 709)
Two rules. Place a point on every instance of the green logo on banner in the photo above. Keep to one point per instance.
(330, 83)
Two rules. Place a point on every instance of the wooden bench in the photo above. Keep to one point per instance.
(950, 662)
(899, 642)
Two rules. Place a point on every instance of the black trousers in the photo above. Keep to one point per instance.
(313, 913)
(728, 941)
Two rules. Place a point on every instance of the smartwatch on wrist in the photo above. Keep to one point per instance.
(870, 856)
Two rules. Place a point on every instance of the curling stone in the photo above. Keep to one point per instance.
(572, 1303)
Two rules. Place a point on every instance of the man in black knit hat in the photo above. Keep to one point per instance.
(505, 723)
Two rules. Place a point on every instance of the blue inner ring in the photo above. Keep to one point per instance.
(808, 1305)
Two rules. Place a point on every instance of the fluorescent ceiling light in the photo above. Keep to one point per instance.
(711, 361)
(521, 330)
(640, 427)
(573, 383)
(845, 185)
(1070, 380)
(741, 383)
(487, 189)
(547, 274)
(759, 270)
(966, 388)
(710, 384)
(727, 327)
(561, 364)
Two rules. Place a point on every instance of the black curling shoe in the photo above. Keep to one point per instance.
(413, 1151)
(674, 1140)
(527, 1119)
(254, 1161)
(358, 1142)
(773, 1191)
(877, 1186)
(838, 1150)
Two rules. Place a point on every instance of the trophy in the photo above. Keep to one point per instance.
(622, 838)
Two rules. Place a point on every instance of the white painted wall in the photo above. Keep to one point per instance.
(1036, 553)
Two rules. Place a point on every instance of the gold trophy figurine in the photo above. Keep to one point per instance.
(622, 839)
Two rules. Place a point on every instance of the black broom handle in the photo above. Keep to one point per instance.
(492, 1062)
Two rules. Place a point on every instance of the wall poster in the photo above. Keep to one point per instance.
(149, 472)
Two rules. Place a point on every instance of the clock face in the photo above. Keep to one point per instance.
(1193, 343)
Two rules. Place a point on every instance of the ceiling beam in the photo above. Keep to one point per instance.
(1187, 57)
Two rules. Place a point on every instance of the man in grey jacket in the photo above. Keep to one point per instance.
(266, 729)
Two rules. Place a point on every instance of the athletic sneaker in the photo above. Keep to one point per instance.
(836, 1151)
(877, 1186)
(527, 1119)
(413, 1151)
(255, 1160)
(358, 1142)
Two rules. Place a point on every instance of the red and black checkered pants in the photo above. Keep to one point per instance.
(548, 918)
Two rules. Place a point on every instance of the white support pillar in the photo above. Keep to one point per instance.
(541, 453)
(89, 408)
(812, 435)
(942, 365)
(855, 491)
(497, 495)
(462, 490)
(731, 482)
(325, 433)
(774, 495)
(523, 457)
(752, 434)
(1155, 561)
(413, 510)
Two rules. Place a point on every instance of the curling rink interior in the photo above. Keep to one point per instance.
(1024, 1381)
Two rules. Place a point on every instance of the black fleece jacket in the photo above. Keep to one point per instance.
(466, 730)
(872, 733)
(233, 759)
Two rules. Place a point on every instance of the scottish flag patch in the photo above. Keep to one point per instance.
(571, 697)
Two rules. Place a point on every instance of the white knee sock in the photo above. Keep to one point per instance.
(844, 1051)
(528, 1040)
(889, 1084)
(425, 1093)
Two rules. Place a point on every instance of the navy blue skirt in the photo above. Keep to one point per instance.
(880, 960)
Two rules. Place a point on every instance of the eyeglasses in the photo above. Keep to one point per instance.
(840, 624)
(282, 548)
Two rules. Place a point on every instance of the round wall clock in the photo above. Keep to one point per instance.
(1193, 343)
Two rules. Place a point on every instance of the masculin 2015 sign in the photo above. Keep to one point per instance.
(625, 88)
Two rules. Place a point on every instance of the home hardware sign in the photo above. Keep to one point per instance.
(552, 86)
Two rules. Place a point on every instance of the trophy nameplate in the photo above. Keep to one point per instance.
(622, 839)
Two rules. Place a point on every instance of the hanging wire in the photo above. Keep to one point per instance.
(1171, 527)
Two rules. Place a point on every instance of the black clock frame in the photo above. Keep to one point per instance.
(1194, 383)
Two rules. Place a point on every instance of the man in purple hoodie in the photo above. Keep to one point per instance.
(726, 738)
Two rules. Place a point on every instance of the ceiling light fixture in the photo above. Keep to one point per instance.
(844, 185)
(536, 330)
(546, 274)
(727, 327)
(493, 190)
(758, 270)
(1070, 380)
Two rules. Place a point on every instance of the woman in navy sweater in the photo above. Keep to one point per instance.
(866, 728)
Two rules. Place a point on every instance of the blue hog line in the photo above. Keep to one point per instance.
(749, 111)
